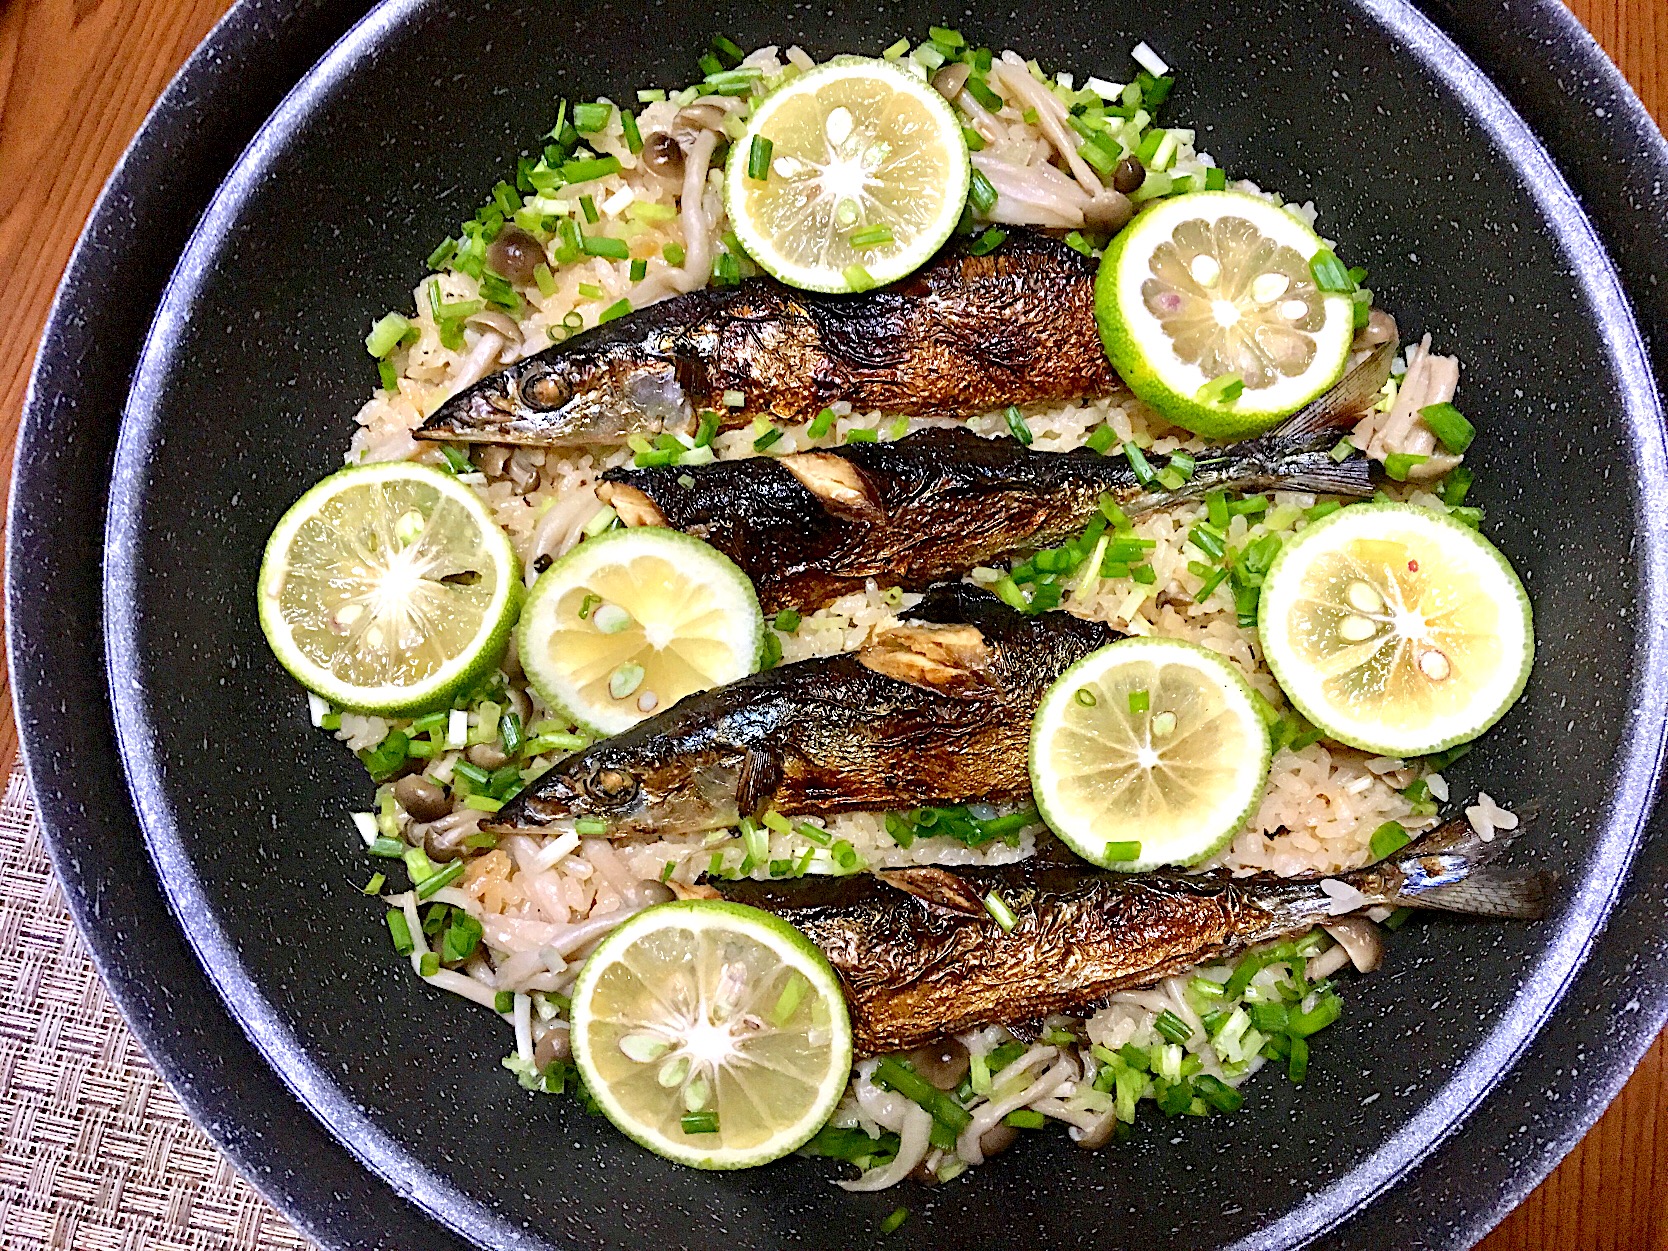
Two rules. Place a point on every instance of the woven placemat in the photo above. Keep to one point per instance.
(96, 1154)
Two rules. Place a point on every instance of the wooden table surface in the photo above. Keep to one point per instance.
(76, 78)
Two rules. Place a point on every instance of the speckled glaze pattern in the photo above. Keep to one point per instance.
(244, 393)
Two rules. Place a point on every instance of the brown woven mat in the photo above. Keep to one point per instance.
(95, 1152)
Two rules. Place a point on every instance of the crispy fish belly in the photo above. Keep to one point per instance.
(921, 958)
(965, 334)
(810, 527)
(936, 711)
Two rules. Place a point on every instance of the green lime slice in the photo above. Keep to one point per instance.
(713, 1034)
(1396, 629)
(388, 589)
(1149, 751)
(628, 623)
(865, 174)
(1211, 287)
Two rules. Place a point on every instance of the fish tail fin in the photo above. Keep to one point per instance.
(1451, 870)
(1343, 405)
(1297, 455)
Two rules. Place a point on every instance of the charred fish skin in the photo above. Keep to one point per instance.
(938, 711)
(812, 526)
(921, 959)
(965, 334)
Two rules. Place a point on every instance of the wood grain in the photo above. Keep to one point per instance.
(76, 78)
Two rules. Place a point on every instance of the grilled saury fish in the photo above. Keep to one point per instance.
(935, 711)
(809, 527)
(965, 334)
(921, 958)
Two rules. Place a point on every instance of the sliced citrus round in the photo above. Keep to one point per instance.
(847, 177)
(628, 623)
(389, 589)
(1149, 751)
(1209, 311)
(1396, 629)
(712, 1033)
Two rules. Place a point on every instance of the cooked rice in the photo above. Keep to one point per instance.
(542, 902)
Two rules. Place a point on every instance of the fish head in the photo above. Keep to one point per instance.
(632, 789)
(590, 394)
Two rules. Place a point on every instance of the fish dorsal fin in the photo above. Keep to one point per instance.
(935, 886)
(951, 658)
(837, 484)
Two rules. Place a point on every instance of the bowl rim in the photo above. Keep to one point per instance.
(1504, 1045)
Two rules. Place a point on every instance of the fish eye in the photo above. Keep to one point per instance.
(544, 390)
(612, 785)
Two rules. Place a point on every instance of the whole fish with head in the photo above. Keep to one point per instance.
(812, 526)
(935, 711)
(921, 956)
(964, 334)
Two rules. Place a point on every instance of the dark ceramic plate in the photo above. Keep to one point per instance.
(1518, 216)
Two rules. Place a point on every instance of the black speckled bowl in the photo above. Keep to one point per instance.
(1518, 216)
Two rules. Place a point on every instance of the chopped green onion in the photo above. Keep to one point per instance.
(1389, 838)
(980, 90)
(591, 168)
(386, 334)
(1000, 911)
(895, 1073)
(602, 245)
(1085, 696)
(897, 1218)
(1448, 424)
(1456, 486)
(862, 434)
(1397, 464)
(1297, 1066)
(400, 931)
(441, 255)
(386, 848)
(1139, 701)
(1173, 1027)
(614, 311)
(1217, 1093)
(1101, 438)
(787, 621)
(674, 254)
(590, 118)
(1144, 473)
(858, 278)
(980, 194)
(765, 440)
(445, 877)
(588, 206)
(639, 269)
(988, 242)
(633, 136)
(699, 1122)
(1017, 426)
(1317, 1018)
(429, 965)
(820, 424)
(758, 158)
(1208, 539)
(1329, 273)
